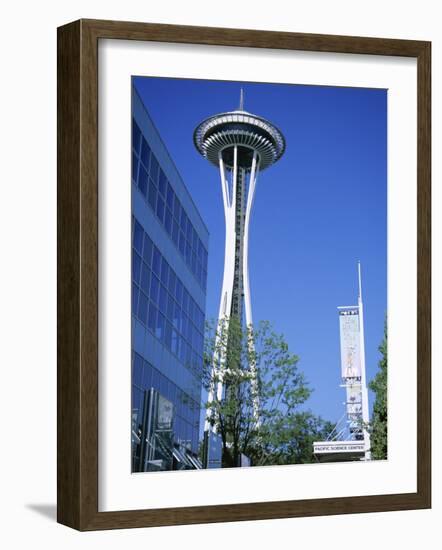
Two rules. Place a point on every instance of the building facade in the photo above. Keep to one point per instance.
(169, 276)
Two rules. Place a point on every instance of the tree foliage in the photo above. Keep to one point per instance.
(256, 367)
(378, 427)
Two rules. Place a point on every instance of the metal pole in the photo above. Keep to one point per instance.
(364, 391)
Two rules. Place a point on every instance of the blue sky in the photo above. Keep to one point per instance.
(317, 211)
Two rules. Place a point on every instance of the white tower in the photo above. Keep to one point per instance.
(241, 145)
(350, 438)
(351, 320)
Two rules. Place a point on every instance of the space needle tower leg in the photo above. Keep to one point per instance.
(247, 301)
(229, 199)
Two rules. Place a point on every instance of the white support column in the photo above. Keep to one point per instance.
(225, 306)
(247, 300)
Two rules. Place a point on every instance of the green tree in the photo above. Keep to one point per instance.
(256, 368)
(378, 426)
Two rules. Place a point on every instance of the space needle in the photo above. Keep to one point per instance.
(241, 145)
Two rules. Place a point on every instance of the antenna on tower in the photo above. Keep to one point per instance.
(241, 99)
(359, 281)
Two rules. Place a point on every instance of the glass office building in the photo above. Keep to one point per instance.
(169, 273)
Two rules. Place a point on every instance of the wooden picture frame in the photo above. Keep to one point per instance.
(77, 226)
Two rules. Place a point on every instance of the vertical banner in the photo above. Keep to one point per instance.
(350, 343)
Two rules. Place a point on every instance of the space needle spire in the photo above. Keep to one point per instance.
(241, 99)
(241, 145)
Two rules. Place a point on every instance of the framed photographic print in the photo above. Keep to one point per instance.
(243, 275)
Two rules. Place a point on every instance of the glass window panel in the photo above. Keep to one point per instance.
(163, 386)
(199, 273)
(163, 299)
(178, 430)
(142, 181)
(160, 208)
(174, 346)
(145, 153)
(177, 209)
(170, 196)
(142, 308)
(147, 250)
(154, 168)
(200, 249)
(179, 402)
(162, 183)
(195, 441)
(152, 198)
(183, 323)
(136, 267)
(179, 291)
(182, 350)
(194, 240)
(136, 136)
(176, 315)
(145, 278)
(154, 288)
(161, 321)
(164, 272)
(168, 394)
(190, 308)
(185, 301)
(187, 251)
(175, 232)
(188, 355)
(183, 221)
(135, 294)
(194, 360)
(182, 242)
(188, 333)
(152, 318)
(193, 262)
(168, 221)
(138, 237)
(189, 230)
(173, 395)
(170, 307)
(156, 379)
(138, 370)
(134, 166)
(147, 375)
(156, 263)
(137, 403)
(172, 282)
(186, 433)
(168, 335)
(178, 344)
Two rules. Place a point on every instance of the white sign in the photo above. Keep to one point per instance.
(338, 447)
(350, 344)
